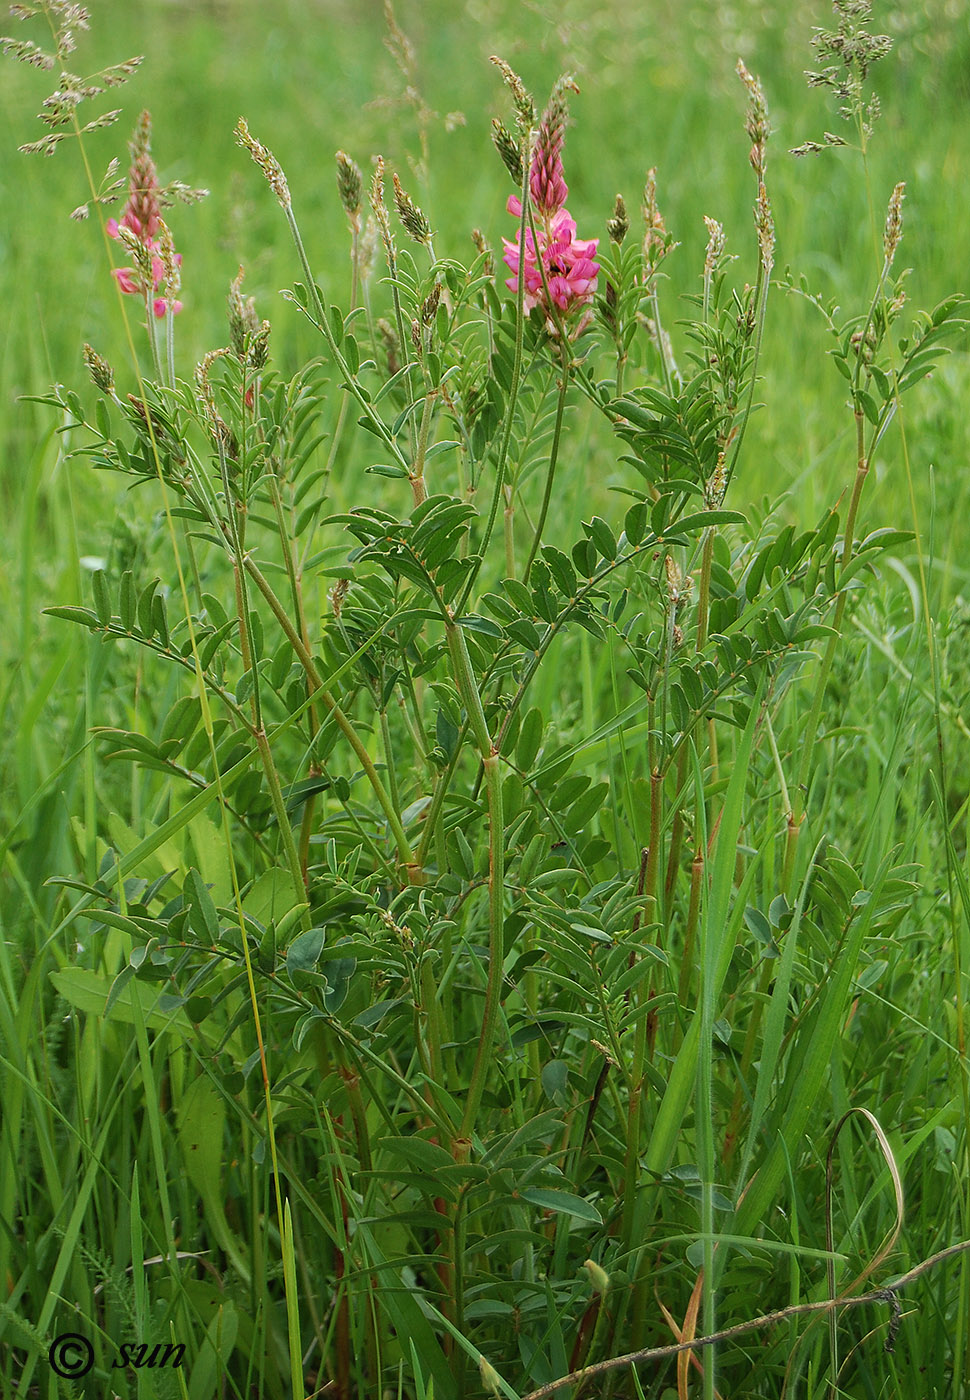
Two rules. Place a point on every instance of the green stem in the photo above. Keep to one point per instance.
(553, 458)
(465, 678)
(251, 661)
(418, 485)
(761, 309)
(313, 676)
(811, 730)
(350, 380)
(513, 389)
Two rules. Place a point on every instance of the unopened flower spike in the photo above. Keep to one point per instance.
(378, 205)
(429, 307)
(547, 185)
(509, 150)
(102, 375)
(618, 225)
(413, 219)
(350, 184)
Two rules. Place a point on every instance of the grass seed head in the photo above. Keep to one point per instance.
(171, 263)
(379, 207)
(484, 248)
(756, 122)
(715, 245)
(267, 163)
(656, 240)
(765, 225)
(894, 223)
(525, 107)
(102, 375)
(367, 252)
(249, 335)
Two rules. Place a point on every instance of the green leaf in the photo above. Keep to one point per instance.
(145, 608)
(562, 1201)
(201, 1124)
(530, 737)
(635, 524)
(303, 954)
(84, 616)
(474, 623)
(89, 992)
(102, 600)
(201, 906)
(426, 1156)
(554, 1077)
(127, 603)
(602, 536)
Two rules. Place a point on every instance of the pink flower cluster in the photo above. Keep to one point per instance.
(554, 257)
(128, 278)
(568, 262)
(143, 217)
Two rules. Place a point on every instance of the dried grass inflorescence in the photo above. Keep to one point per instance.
(59, 110)
(847, 53)
(657, 242)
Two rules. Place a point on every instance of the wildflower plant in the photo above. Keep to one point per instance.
(495, 1028)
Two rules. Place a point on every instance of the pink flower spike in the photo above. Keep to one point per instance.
(547, 186)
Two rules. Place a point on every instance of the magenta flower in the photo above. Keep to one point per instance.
(143, 217)
(129, 278)
(570, 272)
(568, 262)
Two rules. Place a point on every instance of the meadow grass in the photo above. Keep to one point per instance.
(564, 977)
